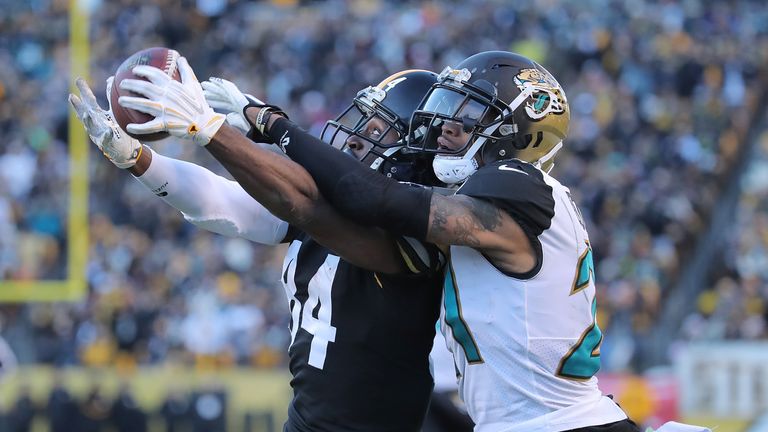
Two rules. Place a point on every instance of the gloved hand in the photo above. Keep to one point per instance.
(179, 108)
(225, 96)
(117, 146)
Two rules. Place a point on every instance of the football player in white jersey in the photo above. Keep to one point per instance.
(519, 299)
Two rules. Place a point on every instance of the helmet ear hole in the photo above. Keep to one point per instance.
(522, 142)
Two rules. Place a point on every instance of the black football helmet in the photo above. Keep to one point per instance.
(375, 126)
(494, 105)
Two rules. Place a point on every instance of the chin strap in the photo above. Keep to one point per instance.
(547, 157)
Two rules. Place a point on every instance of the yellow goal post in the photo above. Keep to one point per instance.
(74, 286)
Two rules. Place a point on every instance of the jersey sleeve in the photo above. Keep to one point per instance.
(212, 202)
(518, 188)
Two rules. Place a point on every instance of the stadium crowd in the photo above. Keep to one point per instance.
(735, 306)
(662, 95)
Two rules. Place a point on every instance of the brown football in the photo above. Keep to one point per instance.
(161, 58)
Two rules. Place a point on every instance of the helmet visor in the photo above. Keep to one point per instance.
(450, 120)
(454, 104)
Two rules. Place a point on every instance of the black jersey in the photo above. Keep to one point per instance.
(360, 340)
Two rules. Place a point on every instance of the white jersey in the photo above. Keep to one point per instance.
(527, 346)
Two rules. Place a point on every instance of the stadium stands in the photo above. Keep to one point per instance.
(662, 94)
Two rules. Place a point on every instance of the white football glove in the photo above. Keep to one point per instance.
(179, 108)
(103, 130)
(223, 95)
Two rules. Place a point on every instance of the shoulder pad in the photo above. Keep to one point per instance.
(516, 187)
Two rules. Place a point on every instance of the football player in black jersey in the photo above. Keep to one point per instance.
(360, 338)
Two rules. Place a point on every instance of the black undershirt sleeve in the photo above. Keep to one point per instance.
(355, 190)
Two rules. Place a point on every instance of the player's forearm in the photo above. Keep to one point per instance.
(288, 191)
(279, 184)
(210, 201)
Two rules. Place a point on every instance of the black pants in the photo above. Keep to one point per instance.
(619, 426)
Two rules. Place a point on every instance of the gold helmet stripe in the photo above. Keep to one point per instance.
(397, 75)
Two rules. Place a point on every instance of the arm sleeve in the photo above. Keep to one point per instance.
(358, 192)
(212, 202)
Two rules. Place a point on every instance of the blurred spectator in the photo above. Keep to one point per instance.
(8, 361)
(125, 414)
(61, 408)
(176, 412)
(19, 419)
(93, 414)
(209, 411)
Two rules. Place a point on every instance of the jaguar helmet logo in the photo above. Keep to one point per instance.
(547, 97)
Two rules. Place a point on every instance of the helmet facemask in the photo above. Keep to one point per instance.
(367, 129)
(374, 128)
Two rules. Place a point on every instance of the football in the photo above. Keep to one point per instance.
(159, 57)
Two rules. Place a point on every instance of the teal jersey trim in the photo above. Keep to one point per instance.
(584, 272)
(583, 361)
(456, 322)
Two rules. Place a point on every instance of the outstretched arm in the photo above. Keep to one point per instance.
(205, 199)
(372, 199)
(279, 184)
(290, 193)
